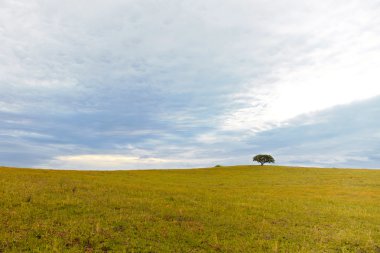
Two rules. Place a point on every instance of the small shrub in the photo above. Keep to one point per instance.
(28, 198)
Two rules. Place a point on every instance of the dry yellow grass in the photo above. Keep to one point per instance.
(226, 209)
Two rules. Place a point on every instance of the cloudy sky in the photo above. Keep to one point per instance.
(128, 84)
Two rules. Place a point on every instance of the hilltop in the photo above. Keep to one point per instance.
(226, 209)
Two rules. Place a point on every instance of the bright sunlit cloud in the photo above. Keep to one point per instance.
(105, 160)
(306, 91)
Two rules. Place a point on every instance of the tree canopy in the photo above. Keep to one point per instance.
(263, 158)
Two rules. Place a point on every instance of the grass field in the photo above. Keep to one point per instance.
(226, 209)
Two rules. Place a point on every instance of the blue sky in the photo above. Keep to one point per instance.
(179, 84)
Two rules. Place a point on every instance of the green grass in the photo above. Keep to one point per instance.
(224, 209)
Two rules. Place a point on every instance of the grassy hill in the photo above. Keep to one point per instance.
(226, 209)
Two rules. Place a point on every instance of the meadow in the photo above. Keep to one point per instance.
(224, 209)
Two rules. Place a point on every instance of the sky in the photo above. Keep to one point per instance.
(127, 84)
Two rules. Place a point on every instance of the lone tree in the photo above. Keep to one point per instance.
(263, 159)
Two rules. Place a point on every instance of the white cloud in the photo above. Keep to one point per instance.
(167, 79)
(21, 134)
(9, 107)
(118, 162)
(335, 160)
(339, 68)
